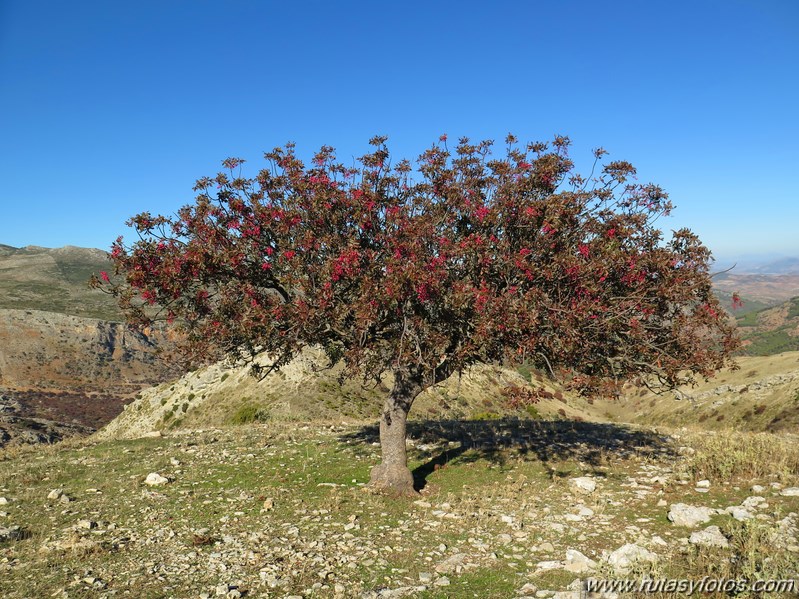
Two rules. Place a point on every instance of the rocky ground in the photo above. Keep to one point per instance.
(507, 509)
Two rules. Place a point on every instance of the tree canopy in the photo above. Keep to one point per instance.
(422, 269)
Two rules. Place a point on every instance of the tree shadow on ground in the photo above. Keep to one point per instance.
(593, 444)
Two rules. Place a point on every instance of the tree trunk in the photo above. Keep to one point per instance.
(392, 474)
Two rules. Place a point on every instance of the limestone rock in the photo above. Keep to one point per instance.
(682, 514)
(710, 537)
(578, 562)
(625, 557)
(154, 479)
(583, 484)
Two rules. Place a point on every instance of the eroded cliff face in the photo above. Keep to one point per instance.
(73, 369)
(54, 352)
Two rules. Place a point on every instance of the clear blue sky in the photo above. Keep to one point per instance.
(111, 108)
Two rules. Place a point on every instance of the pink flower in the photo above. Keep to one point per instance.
(104, 276)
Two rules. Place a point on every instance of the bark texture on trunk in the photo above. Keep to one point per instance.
(392, 474)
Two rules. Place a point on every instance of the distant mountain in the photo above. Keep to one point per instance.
(756, 290)
(785, 266)
(54, 280)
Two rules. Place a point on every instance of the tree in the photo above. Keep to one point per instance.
(418, 272)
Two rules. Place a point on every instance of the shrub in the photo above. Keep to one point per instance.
(249, 413)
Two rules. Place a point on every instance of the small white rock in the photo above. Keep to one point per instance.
(710, 537)
(154, 479)
(625, 557)
(578, 563)
(583, 484)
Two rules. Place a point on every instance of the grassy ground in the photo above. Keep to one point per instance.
(280, 510)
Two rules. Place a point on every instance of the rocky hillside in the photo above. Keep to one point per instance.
(44, 351)
(16, 428)
(771, 330)
(63, 357)
(73, 370)
(761, 395)
(306, 390)
(763, 289)
(54, 280)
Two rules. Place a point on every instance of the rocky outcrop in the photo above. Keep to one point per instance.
(54, 352)
(16, 429)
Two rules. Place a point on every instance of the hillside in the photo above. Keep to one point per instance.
(72, 369)
(54, 280)
(306, 390)
(762, 395)
(66, 365)
(762, 290)
(771, 330)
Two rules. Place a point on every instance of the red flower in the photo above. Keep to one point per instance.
(104, 276)
(289, 254)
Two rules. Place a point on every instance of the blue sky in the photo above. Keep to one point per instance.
(108, 109)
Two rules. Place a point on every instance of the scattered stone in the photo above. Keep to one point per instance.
(425, 577)
(710, 537)
(269, 504)
(55, 494)
(739, 513)
(154, 480)
(583, 484)
(578, 563)
(703, 484)
(11, 533)
(790, 492)
(548, 565)
(627, 556)
(452, 564)
(754, 502)
(758, 489)
(442, 582)
(87, 524)
(64, 498)
(546, 547)
(3, 501)
(682, 514)
(658, 540)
